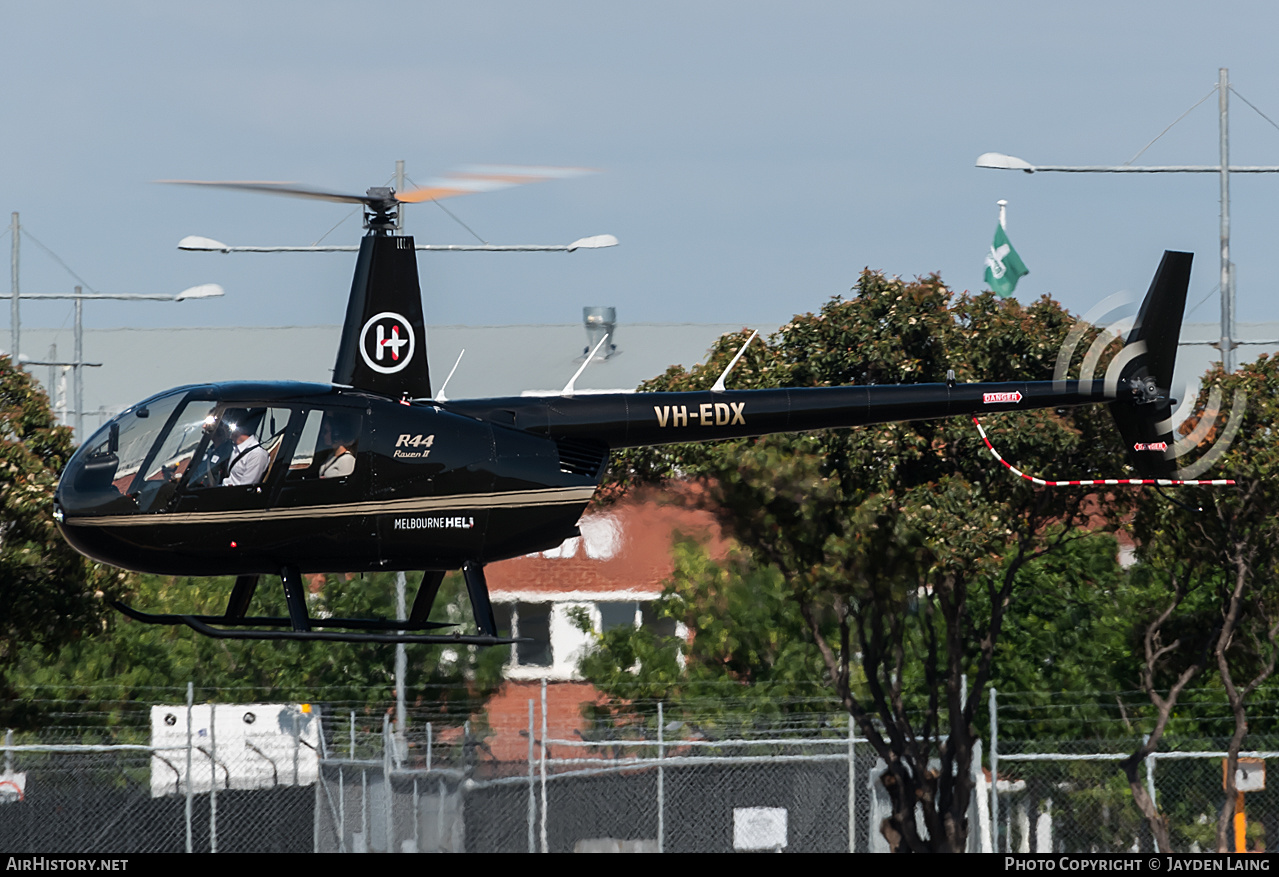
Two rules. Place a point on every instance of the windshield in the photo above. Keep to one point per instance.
(107, 466)
(138, 429)
(177, 447)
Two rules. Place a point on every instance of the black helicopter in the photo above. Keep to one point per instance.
(373, 473)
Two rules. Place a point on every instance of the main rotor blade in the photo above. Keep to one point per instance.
(465, 181)
(486, 178)
(295, 190)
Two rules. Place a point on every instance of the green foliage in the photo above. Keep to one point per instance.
(748, 654)
(1219, 558)
(130, 660)
(51, 595)
(903, 547)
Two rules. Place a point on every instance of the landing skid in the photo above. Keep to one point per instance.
(302, 626)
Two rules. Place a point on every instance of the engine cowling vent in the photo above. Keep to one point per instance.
(581, 456)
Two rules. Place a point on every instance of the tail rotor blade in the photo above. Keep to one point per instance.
(1143, 407)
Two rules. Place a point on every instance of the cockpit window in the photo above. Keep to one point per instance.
(137, 433)
(242, 446)
(328, 445)
(177, 448)
(107, 467)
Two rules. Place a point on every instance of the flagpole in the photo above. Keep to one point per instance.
(1003, 214)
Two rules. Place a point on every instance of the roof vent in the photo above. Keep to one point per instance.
(600, 322)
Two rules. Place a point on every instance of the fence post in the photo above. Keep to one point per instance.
(661, 780)
(297, 746)
(984, 842)
(213, 780)
(994, 770)
(545, 846)
(315, 822)
(852, 788)
(321, 757)
(190, 709)
(439, 822)
(1150, 789)
(386, 781)
(870, 805)
(532, 794)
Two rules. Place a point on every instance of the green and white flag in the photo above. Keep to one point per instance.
(1003, 266)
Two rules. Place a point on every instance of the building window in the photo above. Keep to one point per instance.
(531, 620)
(617, 615)
(662, 626)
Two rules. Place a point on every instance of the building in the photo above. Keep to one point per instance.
(612, 573)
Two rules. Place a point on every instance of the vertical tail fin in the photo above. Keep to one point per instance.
(383, 346)
(1143, 405)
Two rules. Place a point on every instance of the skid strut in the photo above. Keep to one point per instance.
(236, 623)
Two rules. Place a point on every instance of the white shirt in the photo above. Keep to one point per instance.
(248, 463)
(338, 466)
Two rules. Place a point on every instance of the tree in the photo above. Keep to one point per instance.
(888, 537)
(126, 660)
(1225, 541)
(51, 594)
(749, 658)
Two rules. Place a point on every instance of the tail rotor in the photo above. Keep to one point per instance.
(1138, 377)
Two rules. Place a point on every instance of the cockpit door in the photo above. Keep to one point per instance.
(237, 463)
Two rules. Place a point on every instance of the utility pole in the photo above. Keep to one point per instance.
(401, 612)
(1226, 343)
(399, 187)
(1227, 273)
(14, 331)
(77, 364)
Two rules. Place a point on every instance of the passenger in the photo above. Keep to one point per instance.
(250, 459)
(338, 434)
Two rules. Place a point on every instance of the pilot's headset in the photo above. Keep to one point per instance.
(214, 426)
(235, 421)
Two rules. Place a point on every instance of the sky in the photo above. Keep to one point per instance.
(753, 157)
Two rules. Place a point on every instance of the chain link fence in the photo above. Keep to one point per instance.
(257, 777)
(1081, 802)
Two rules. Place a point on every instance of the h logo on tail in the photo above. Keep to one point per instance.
(386, 351)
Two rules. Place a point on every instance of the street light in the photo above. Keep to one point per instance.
(1227, 344)
(204, 290)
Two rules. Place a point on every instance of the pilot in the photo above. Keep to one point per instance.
(250, 459)
(211, 469)
(339, 433)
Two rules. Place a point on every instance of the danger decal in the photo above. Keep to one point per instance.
(1001, 398)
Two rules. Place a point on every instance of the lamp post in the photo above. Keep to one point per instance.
(1224, 169)
(206, 290)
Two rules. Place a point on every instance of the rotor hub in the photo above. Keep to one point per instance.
(381, 210)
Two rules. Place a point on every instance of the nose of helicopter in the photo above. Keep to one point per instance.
(91, 483)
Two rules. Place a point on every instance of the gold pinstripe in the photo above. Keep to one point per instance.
(411, 505)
